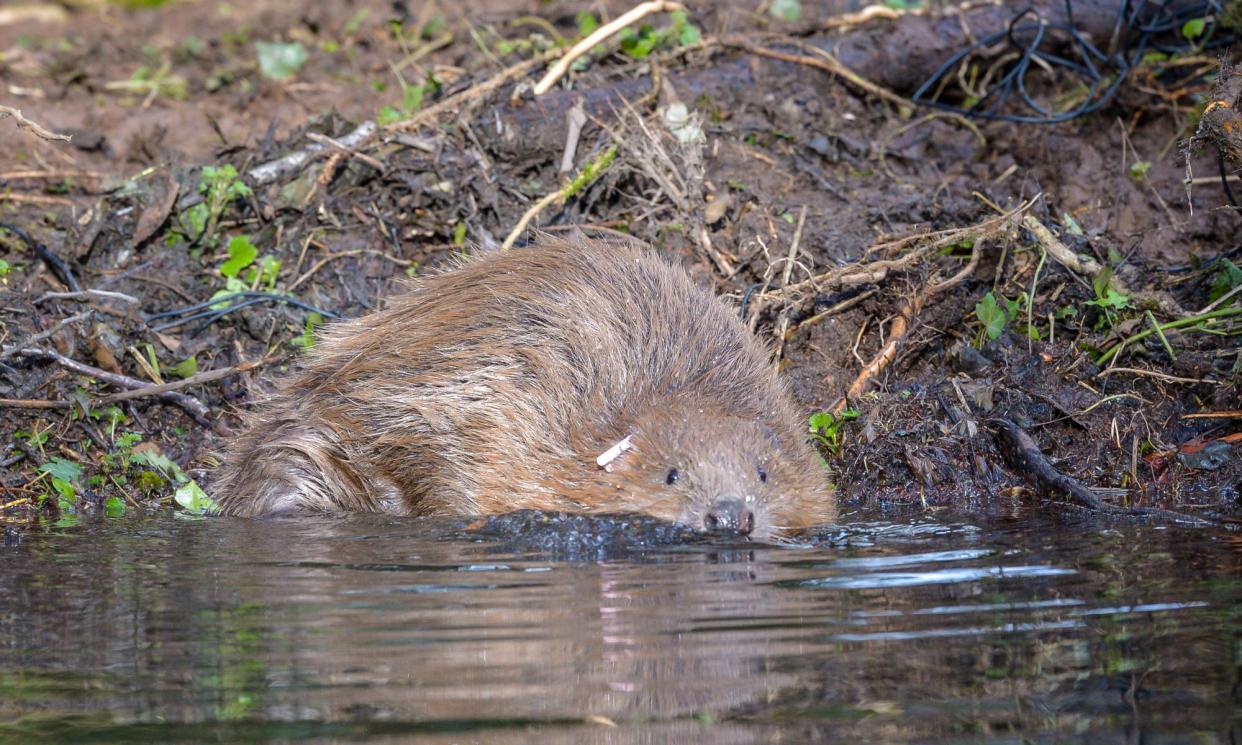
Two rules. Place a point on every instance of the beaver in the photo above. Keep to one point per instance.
(572, 375)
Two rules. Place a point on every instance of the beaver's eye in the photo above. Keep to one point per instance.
(672, 477)
(763, 475)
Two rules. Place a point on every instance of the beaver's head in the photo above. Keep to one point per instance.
(686, 460)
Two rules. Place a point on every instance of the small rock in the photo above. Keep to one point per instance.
(1209, 458)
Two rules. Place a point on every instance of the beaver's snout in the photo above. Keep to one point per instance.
(730, 514)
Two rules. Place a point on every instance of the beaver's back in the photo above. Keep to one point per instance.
(482, 388)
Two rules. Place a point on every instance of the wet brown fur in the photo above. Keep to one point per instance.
(493, 387)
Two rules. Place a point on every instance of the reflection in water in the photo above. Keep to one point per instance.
(352, 629)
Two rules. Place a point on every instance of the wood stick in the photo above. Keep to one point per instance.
(191, 405)
(599, 35)
(29, 126)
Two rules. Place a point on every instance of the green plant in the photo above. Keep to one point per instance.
(35, 437)
(825, 428)
(995, 316)
(641, 43)
(1193, 28)
(153, 82)
(306, 339)
(185, 368)
(220, 186)
(412, 98)
(1109, 301)
(4, 268)
(65, 475)
(1139, 169)
(587, 23)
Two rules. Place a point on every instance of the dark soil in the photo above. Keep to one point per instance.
(117, 205)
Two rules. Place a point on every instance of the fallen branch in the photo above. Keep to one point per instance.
(191, 405)
(1024, 456)
(295, 161)
(11, 351)
(84, 294)
(29, 126)
(34, 403)
(598, 36)
(206, 376)
(874, 271)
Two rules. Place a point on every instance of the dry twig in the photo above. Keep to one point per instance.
(598, 36)
(34, 127)
(191, 405)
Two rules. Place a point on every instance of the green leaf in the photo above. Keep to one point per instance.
(4, 268)
(1071, 225)
(1012, 308)
(162, 463)
(1193, 28)
(307, 339)
(114, 507)
(687, 33)
(587, 23)
(185, 368)
(66, 490)
(459, 234)
(1139, 169)
(1100, 282)
(221, 294)
(193, 499)
(60, 468)
(785, 10)
(991, 316)
(269, 270)
(241, 255)
(280, 61)
(194, 219)
(1111, 299)
(820, 421)
(388, 115)
(1226, 278)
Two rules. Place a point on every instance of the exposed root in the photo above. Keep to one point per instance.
(822, 61)
(1090, 267)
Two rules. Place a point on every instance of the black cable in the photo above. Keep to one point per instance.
(207, 310)
(54, 262)
(1141, 27)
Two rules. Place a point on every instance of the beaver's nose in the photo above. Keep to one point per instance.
(730, 514)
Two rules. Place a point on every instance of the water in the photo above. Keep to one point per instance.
(346, 630)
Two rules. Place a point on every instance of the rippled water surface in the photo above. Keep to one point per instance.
(167, 630)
